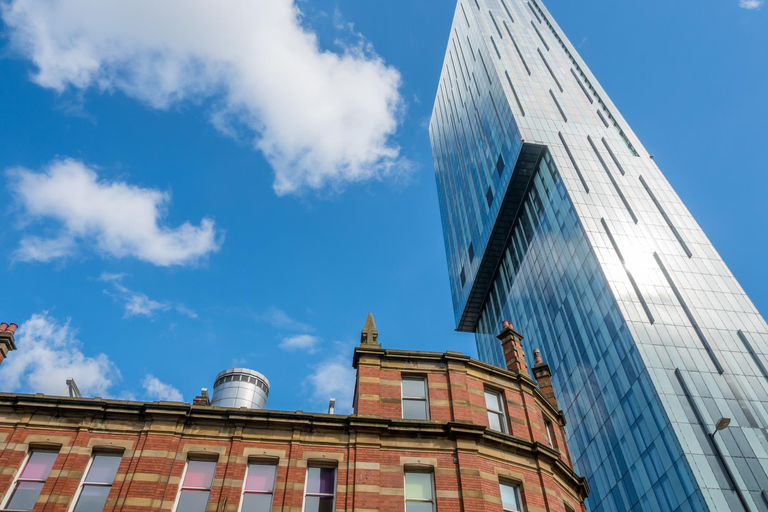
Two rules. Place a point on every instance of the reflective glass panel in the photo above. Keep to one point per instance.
(319, 504)
(418, 486)
(414, 388)
(103, 469)
(261, 477)
(93, 498)
(418, 506)
(321, 480)
(256, 502)
(199, 474)
(193, 501)
(25, 495)
(39, 465)
(414, 409)
(510, 499)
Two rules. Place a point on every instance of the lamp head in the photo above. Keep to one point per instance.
(722, 423)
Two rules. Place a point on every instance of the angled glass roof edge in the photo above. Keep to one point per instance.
(517, 188)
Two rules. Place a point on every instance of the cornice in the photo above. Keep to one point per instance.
(38, 408)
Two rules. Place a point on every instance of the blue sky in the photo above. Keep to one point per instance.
(171, 208)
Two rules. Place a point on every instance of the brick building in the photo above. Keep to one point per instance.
(430, 432)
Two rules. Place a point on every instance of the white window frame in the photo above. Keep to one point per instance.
(550, 428)
(501, 412)
(403, 398)
(518, 493)
(83, 483)
(431, 474)
(306, 483)
(17, 478)
(243, 492)
(184, 475)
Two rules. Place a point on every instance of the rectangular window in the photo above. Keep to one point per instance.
(259, 487)
(320, 492)
(196, 487)
(95, 487)
(415, 401)
(510, 498)
(419, 492)
(496, 419)
(31, 480)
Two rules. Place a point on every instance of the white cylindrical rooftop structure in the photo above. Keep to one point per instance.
(240, 387)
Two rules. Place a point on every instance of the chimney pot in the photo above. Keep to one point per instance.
(12, 328)
(537, 356)
(506, 324)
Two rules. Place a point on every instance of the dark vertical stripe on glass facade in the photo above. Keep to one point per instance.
(517, 48)
(493, 19)
(495, 47)
(573, 162)
(689, 315)
(583, 89)
(482, 61)
(600, 115)
(533, 11)
(514, 93)
(504, 4)
(752, 353)
(540, 36)
(629, 273)
(666, 218)
(550, 70)
(613, 157)
(613, 180)
(465, 14)
(557, 104)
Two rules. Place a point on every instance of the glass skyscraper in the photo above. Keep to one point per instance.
(556, 218)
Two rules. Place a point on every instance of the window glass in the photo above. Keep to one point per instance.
(97, 483)
(415, 404)
(510, 498)
(418, 492)
(196, 489)
(321, 490)
(414, 409)
(193, 501)
(261, 477)
(414, 388)
(259, 486)
(92, 498)
(31, 480)
(496, 419)
(199, 474)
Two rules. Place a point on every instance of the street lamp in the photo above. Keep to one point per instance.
(722, 424)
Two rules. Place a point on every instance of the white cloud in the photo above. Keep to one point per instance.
(121, 220)
(321, 118)
(158, 390)
(334, 378)
(137, 303)
(48, 354)
(750, 4)
(304, 342)
(279, 319)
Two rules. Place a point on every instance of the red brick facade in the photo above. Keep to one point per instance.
(370, 449)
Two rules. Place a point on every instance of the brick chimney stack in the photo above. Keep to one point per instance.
(7, 342)
(511, 343)
(544, 378)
